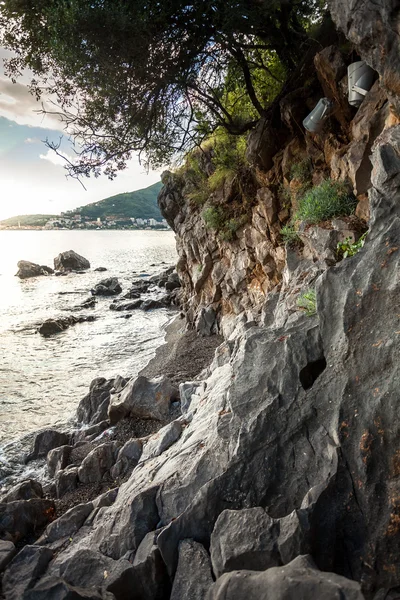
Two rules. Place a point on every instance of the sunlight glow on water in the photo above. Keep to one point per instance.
(43, 379)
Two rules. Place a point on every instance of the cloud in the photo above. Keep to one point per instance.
(55, 159)
(18, 104)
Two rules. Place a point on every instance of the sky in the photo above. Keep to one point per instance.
(32, 177)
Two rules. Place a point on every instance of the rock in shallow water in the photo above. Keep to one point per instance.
(52, 326)
(70, 261)
(107, 287)
(28, 269)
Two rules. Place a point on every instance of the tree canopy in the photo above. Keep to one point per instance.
(153, 77)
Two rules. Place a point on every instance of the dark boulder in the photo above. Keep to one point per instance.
(66, 481)
(70, 261)
(52, 326)
(244, 539)
(66, 525)
(126, 305)
(100, 269)
(93, 570)
(28, 269)
(98, 462)
(58, 459)
(93, 408)
(54, 588)
(23, 517)
(193, 576)
(45, 441)
(24, 491)
(24, 571)
(107, 287)
(298, 579)
(151, 303)
(7, 552)
(151, 577)
(143, 398)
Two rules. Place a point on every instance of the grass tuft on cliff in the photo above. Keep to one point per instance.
(326, 201)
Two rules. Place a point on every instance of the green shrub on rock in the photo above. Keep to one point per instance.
(290, 235)
(328, 200)
(308, 302)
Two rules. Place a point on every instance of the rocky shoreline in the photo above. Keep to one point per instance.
(273, 472)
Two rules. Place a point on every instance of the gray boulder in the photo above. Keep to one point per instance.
(143, 398)
(162, 440)
(58, 459)
(193, 576)
(93, 570)
(107, 287)
(28, 269)
(70, 261)
(45, 441)
(24, 491)
(126, 305)
(93, 408)
(23, 517)
(206, 322)
(127, 458)
(298, 579)
(7, 552)
(66, 525)
(54, 588)
(24, 571)
(151, 303)
(244, 539)
(52, 326)
(66, 481)
(98, 462)
(151, 577)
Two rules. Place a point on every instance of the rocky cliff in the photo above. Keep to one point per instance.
(280, 479)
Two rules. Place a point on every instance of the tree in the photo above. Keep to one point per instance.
(156, 77)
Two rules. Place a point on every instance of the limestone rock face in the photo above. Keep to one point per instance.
(70, 261)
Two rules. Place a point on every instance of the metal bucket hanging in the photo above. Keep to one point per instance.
(361, 77)
(317, 117)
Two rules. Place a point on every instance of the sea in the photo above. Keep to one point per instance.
(43, 379)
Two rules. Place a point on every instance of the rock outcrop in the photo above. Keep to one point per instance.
(28, 269)
(281, 477)
(52, 326)
(70, 261)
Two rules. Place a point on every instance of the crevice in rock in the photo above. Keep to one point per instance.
(310, 373)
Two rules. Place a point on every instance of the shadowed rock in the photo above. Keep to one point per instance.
(70, 261)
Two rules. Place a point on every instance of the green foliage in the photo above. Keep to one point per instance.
(308, 302)
(301, 170)
(328, 200)
(349, 248)
(214, 217)
(290, 235)
(141, 204)
(217, 219)
(155, 78)
(27, 220)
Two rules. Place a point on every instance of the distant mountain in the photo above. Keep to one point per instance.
(27, 220)
(141, 204)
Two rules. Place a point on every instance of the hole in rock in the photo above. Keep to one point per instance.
(311, 372)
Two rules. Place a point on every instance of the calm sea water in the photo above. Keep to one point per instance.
(43, 379)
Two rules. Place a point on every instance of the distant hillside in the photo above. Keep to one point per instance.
(141, 204)
(27, 220)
